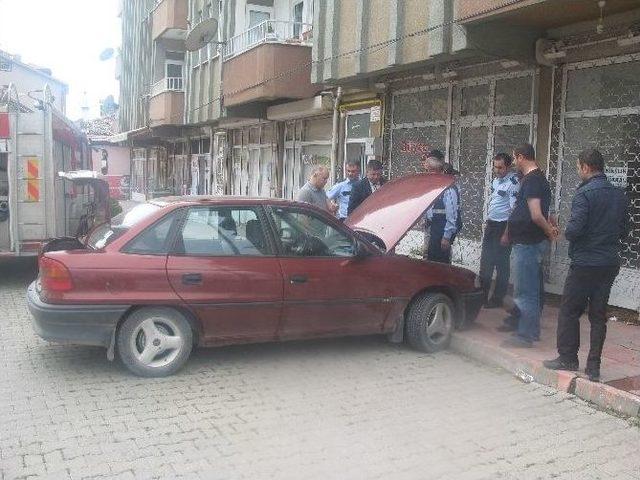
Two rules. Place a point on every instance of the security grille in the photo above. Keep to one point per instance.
(470, 121)
(602, 110)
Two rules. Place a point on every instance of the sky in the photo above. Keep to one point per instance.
(66, 36)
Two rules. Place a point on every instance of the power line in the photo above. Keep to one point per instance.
(373, 48)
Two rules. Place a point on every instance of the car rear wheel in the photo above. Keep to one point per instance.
(430, 322)
(155, 342)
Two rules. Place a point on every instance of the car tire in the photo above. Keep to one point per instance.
(154, 341)
(430, 322)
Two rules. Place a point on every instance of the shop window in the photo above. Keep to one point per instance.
(254, 135)
(609, 86)
(507, 137)
(421, 106)
(358, 125)
(410, 145)
(513, 96)
(317, 129)
(475, 100)
(473, 161)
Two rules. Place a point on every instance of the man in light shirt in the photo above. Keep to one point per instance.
(504, 190)
(341, 192)
(313, 191)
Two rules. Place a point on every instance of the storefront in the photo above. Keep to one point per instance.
(307, 143)
(470, 120)
(597, 105)
(254, 156)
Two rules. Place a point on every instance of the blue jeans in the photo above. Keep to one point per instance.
(527, 261)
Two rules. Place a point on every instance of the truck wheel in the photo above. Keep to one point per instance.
(430, 322)
(155, 341)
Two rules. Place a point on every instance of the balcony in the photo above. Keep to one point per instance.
(270, 31)
(166, 106)
(268, 62)
(169, 19)
(168, 84)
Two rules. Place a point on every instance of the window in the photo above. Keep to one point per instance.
(222, 231)
(303, 234)
(155, 240)
(173, 75)
(297, 19)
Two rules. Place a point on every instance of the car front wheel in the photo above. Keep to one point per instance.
(430, 322)
(154, 342)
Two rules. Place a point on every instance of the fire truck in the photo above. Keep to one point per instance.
(46, 190)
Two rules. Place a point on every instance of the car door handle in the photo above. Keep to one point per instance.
(298, 279)
(192, 279)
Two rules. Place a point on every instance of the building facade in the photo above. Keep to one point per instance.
(474, 78)
(295, 83)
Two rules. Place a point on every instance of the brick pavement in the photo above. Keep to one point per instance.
(351, 408)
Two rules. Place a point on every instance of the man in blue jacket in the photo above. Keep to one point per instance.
(597, 225)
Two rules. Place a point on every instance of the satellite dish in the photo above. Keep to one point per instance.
(106, 54)
(203, 33)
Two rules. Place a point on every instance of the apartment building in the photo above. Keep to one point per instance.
(239, 115)
(476, 77)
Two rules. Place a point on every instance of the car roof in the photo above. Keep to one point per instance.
(220, 200)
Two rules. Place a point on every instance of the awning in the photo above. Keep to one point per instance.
(308, 107)
(124, 136)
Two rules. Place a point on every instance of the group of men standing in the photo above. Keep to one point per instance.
(519, 227)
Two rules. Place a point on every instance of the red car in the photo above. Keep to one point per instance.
(180, 272)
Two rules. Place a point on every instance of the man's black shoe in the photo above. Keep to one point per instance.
(593, 374)
(561, 364)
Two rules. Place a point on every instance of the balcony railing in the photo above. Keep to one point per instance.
(167, 84)
(269, 31)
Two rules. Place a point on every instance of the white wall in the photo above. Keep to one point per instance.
(27, 80)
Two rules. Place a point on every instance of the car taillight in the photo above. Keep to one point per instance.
(54, 276)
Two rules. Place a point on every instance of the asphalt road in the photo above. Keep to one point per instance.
(335, 409)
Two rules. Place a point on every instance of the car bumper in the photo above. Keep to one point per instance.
(73, 324)
(469, 306)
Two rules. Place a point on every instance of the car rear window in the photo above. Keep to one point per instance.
(104, 234)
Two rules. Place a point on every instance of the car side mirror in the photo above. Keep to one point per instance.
(360, 251)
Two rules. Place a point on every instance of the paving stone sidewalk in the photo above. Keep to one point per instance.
(620, 387)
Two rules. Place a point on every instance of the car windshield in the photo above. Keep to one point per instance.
(106, 233)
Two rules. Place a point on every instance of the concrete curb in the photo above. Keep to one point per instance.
(604, 396)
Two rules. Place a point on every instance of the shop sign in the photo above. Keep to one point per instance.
(414, 148)
(119, 186)
(617, 176)
(375, 114)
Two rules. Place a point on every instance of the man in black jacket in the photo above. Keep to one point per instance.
(366, 186)
(597, 225)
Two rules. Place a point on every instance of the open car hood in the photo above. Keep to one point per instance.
(395, 207)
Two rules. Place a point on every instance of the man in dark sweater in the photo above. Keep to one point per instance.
(529, 232)
(365, 187)
(597, 225)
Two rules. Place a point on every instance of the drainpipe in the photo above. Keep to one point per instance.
(335, 133)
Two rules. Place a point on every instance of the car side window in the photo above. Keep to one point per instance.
(222, 231)
(304, 234)
(154, 240)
